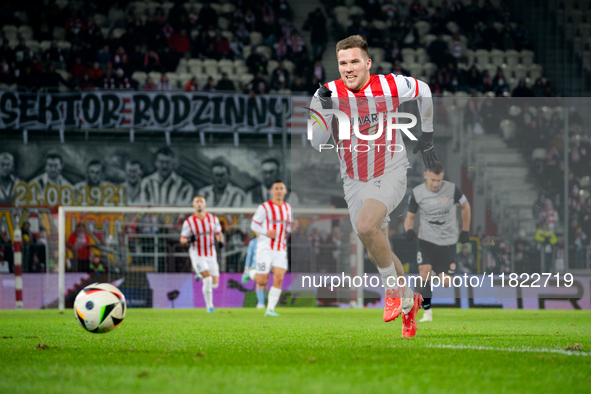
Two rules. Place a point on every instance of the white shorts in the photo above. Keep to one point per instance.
(266, 258)
(202, 263)
(389, 189)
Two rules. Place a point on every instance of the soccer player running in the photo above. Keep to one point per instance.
(201, 231)
(375, 177)
(272, 221)
(250, 271)
(438, 230)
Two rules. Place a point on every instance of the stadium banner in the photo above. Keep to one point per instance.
(180, 290)
(158, 111)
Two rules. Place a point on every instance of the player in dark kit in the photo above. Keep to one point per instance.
(438, 230)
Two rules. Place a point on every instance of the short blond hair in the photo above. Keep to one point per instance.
(350, 42)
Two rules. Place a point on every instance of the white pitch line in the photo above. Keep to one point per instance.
(512, 349)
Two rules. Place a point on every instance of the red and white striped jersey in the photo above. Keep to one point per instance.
(204, 230)
(270, 216)
(383, 93)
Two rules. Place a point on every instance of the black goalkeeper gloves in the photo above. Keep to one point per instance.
(324, 95)
(410, 235)
(425, 145)
(464, 237)
(192, 238)
(220, 244)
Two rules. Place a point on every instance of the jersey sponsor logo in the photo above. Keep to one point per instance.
(437, 222)
(444, 200)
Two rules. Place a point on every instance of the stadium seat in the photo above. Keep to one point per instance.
(386, 66)
(535, 71)
(105, 31)
(429, 69)
(423, 28)
(256, 38)
(453, 27)
(223, 23)
(428, 39)
(140, 77)
(151, 7)
(183, 79)
(155, 75)
(380, 25)
(508, 128)
(482, 56)
(519, 71)
(289, 66)
(228, 8)
(264, 50)
(512, 57)
(272, 66)
(527, 57)
(377, 54)
(65, 45)
(33, 45)
(497, 56)
(471, 56)
(167, 6)
(408, 55)
(100, 20)
(118, 32)
(10, 28)
(194, 63)
(217, 7)
(539, 154)
(245, 79)
(44, 45)
(26, 32)
(356, 10)
(421, 56)
(239, 62)
(228, 34)
(246, 51)
(173, 79)
(61, 3)
(59, 33)
(349, 3)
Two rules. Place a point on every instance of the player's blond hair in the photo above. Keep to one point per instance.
(350, 42)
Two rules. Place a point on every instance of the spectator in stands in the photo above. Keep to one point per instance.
(410, 35)
(54, 54)
(179, 42)
(545, 239)
(221, 46)
(6, 52)
(418, 10)
(86, 83)
(242, 33)
(473, 79)
(523, 250)
(438, 22)
(316, 24)
(500, 83)
(22, 54)
(96, 74)
(6, 74)
(74, 26)
(201, 45)
(225, 84)
(109, 78)
(580, 242)
(393, 51)
(318, 71)
(6, 250)
(298, 85)
(150, 85)
(119, 56)
(523, 38)
(522, 90)
(4, 265)
(436, 49)
(280, 77)
(169, 60)
(458, 49)
(209, 85)
(538, 88)
(164, 83)
(549, 215)
(191, 85)
(236, 48)
(78, 243)
(434, 86)
(508, 39)
(50, 80)
(208, 17)
(538, 206)
(258, 84)
(152, 61)
(466, 261)
(122, 82)
(257, 62)
(284, 10)
(28, 237)
(280, 49)
(104, 56)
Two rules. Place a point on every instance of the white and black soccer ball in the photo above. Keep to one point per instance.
(100, 307)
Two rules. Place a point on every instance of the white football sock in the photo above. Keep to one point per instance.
(207, 291)
(273, 297)
(389, 272)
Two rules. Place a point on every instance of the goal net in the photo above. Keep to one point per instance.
(138, 250)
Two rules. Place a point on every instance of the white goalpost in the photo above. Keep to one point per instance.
(241, 216)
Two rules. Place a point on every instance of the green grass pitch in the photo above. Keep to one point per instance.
(306, 350)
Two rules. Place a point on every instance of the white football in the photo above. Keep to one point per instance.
(100, 307)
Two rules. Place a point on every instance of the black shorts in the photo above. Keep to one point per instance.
(441, 258)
